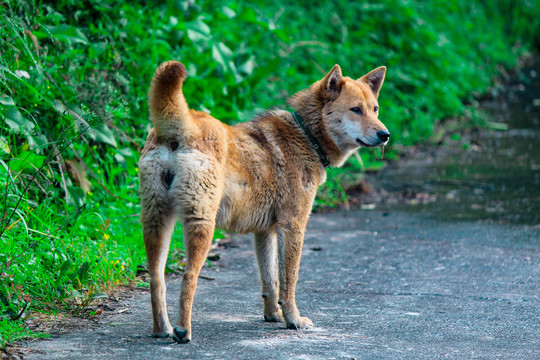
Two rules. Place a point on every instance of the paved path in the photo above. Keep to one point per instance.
(376, 285)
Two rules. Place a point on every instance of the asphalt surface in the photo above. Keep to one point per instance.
(377, 286)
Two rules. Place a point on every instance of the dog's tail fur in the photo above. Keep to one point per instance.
(169, 111)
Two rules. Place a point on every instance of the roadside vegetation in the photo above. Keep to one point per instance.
(73, 82)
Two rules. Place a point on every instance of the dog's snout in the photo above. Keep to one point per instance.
(383, 135)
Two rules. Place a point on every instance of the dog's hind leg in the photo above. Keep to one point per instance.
(157, 238)
(198, 238)
(267, 258)
(197, 191)
(158, 220)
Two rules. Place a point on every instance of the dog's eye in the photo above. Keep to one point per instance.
(376, 109)
(356, 110)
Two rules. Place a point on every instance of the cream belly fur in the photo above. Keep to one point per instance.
(260, 177)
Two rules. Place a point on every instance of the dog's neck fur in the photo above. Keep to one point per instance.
(309, 105)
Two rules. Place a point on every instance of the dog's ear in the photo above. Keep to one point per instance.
(375, 79)
(333, 83)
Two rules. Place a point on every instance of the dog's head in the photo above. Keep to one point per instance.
(350, 112)
(346, 108)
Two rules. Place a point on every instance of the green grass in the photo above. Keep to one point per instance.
(73, 83)
(15, 330)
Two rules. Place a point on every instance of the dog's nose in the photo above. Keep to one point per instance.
(383, 135)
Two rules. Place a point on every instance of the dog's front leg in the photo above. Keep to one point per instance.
(290, 241)
(267, 258)
(198, 239)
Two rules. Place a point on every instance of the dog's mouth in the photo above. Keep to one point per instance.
(361, 143)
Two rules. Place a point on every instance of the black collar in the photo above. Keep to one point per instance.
(316, 145)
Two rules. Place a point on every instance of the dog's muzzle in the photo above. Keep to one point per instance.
(381, 139)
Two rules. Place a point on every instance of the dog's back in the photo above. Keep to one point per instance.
(255, 164)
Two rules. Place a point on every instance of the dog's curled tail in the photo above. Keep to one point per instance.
(169, 111)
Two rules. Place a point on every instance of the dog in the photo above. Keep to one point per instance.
(256, 177)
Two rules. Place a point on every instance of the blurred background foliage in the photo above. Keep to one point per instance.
(73, 82)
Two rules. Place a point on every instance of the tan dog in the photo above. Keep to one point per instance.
(260, 177)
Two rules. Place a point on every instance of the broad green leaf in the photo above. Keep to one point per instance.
(228, 12)
(199, 33)
(120, 159)
(4, 146)
(173, 21)
(6, 100)
(68, 33)
(83, 271)
(196, 36)
(248, 66)
(224, 56)
(58, 106)
(127, 152)
(36, 142)
(250, 16)
(282, 35)
(18, 123)
(104, 135)
(199, 25)
(26, 160)
(162, 48)
(96, 49)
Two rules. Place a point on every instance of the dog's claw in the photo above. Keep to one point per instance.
(181, 336)
(304, 323)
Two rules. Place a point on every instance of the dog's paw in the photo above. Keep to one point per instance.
(181, 336)
(274, 317)
(163, 333)
(301, 323)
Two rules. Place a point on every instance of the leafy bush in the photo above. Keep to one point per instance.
(74, 77)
